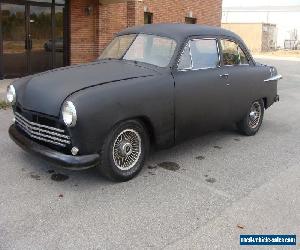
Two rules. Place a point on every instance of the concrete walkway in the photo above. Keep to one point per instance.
(3, 87)
(280, 58)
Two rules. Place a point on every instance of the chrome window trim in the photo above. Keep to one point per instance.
(192, 62)
(204, 68)
(236, 65)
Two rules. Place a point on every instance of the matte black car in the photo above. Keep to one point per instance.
(153, 85)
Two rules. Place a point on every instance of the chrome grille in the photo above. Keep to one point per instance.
(43, 133)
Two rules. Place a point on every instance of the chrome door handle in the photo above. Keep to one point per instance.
(224, 76)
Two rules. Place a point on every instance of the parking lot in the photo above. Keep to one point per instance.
(206, 193)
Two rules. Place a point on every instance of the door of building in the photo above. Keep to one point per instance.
(32, 37)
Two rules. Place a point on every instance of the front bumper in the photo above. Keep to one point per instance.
(66, 161)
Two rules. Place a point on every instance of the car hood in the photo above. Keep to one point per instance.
(45, 92)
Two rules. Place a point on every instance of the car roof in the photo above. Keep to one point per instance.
(180, 32)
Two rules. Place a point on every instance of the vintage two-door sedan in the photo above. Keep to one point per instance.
(155, 84)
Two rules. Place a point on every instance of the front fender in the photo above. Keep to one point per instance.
(99, 108)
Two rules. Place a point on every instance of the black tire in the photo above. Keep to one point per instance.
(249, 125)
(116, 147)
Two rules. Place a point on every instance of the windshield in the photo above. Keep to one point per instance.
(150, 49)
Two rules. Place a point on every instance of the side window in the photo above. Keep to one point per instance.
(230, 53)
(204, 53)
(185, 61)
(233, 54)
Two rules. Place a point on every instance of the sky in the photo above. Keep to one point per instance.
(229, 3)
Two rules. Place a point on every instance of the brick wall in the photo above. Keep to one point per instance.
(84, 33)
(90, 34)
(113, 18)
(206, 11)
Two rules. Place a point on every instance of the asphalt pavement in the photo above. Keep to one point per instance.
(225, 185)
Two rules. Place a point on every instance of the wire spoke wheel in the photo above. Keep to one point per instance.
(255, 115)
(127, 149)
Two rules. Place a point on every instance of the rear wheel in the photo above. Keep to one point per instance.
(252, 121)
(124, 150)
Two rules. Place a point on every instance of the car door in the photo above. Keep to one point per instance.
(200, 89)
(242, 78)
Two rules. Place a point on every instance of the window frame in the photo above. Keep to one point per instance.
(239, 47)
(188, 43)
(149, 16)
(190, 20)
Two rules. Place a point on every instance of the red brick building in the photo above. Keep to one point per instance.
(82, 28)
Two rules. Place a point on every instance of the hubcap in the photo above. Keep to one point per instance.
(127, 149)
(254, 115)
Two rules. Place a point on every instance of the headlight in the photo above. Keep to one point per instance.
(69, 114)
(11, 94)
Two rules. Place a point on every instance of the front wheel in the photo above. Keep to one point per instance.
(124, 150)
(252, 121)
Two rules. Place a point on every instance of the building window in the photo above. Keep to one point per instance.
(33, 36)
(190, 20)
(148, 17)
